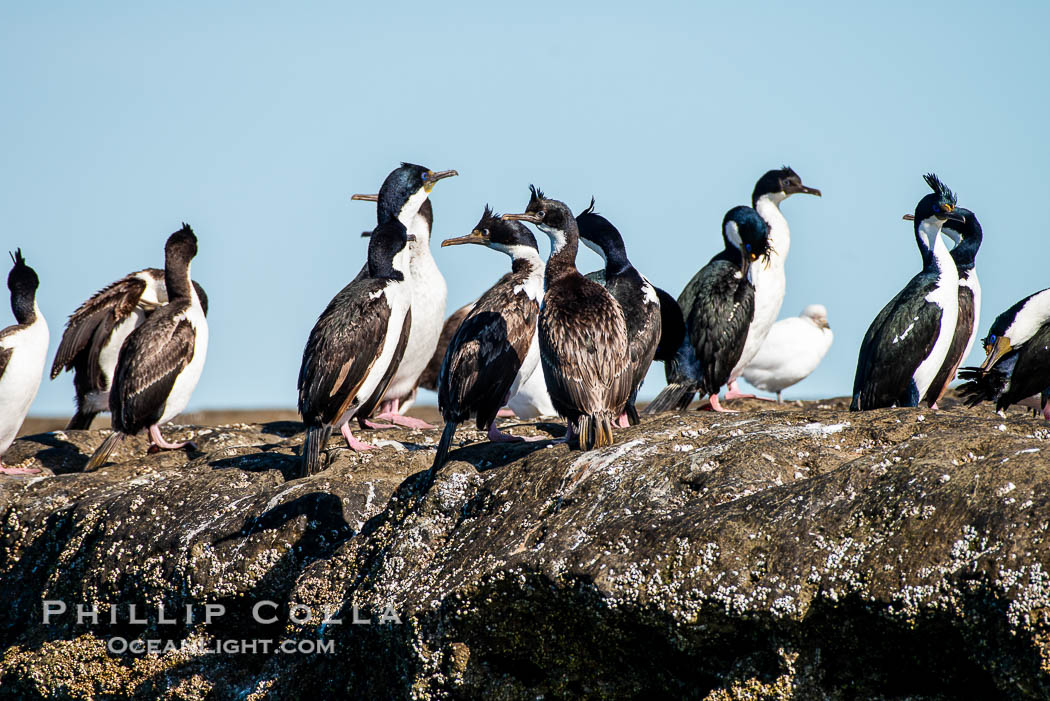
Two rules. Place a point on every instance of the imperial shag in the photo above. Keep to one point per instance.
(494, 345)
(582, 333)
(96, 331)
(23, 353)
(160, 363)
(635, 295)
(769, 279)
(718, 305)
(906, 344)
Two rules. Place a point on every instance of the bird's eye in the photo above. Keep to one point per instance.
(542, 213)
(991, 339)
(485, 232)
(748, 247)
(425, 176)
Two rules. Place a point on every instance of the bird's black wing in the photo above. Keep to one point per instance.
(342, 347)
(149, 363)
(583, 349)
(672, 327)
(486, 353)
(642, 317)
(93, 321)
(896, 343)
(718, 320)
(1031, 373)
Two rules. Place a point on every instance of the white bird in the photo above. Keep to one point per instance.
(23, 352)
(792, 350)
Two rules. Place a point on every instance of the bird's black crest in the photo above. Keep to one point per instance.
(537, 194)
(17, 258)
(406, 164)
(590, 208)
(940, 188)
(488, 215)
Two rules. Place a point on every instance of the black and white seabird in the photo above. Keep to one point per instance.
(161, 361)
(429, 296)
(906, 344)
(793, 349)
(582, 333)
(718, 305)
(23, 354)
(357, 344)
(96, 331)
(769, 279)
(636, 296)
(493, 349)
(1017, 365)
(967, 236)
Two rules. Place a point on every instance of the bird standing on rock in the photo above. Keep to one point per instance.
(635, 295)
(96, 331)
(718, 305)
(582, 333)
(967, 236)
(1017, 365)
(769, 278)
(906, 344)
(494, 347)
(161, 361)
(793, 349)
(23, 353)
(429, 295)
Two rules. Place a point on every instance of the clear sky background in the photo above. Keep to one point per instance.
(255, 121)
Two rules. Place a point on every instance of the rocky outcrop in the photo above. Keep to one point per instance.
(803, 552)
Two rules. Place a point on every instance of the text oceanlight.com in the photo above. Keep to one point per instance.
(262, 612)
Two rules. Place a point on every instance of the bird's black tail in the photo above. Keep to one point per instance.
(442, 456)
(682, 385)
(981, 385)
(102, 454)
(316, 440)
(595, 431)
(81, 420)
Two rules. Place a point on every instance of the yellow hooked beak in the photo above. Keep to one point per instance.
(473, 237)
(996, 351)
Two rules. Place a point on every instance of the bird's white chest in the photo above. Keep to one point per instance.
(187, 380)
(770, 283)
(21, 378)
(429, 294)
(398, 297)
(945, 295)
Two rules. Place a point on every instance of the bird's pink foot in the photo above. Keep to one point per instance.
(157, 440)
(351, 442)
(406, 421)
(5, 470)
(734, 393)
(717, 406)
(505, 413)
(622, 421)
(498, 436)
(933, 407)
(374, 425)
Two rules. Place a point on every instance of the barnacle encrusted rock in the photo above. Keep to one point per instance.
(797, 552)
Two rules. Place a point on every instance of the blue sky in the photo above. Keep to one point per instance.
(254, 122)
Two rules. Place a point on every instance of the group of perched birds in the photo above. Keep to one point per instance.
(544, 339)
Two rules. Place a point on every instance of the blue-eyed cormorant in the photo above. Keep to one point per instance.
(582, 333)
(1017, 365)
(23, 353)
(493, 346)
(635, 295)
(718, 304)
(161, 361)
(96, 331)
(769, 279)
(967, 236)
(906, 344)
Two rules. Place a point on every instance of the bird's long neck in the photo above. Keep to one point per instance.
(768, 207)
(965, 254)
(177, 278)
(525, 260)
(23, 304)
(935, 255)
(564, 246)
